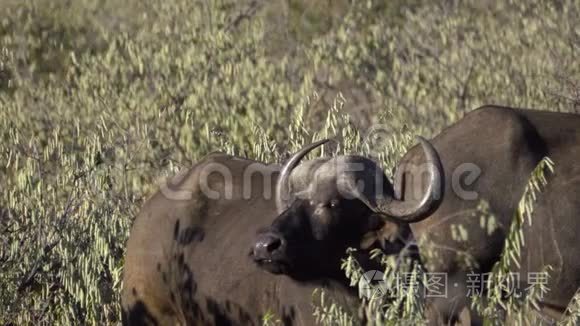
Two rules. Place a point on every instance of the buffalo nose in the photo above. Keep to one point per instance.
(269, 246)
(273, 244)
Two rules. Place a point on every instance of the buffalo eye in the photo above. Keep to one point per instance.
(334, 203)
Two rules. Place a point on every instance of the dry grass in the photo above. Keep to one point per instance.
(99, 101)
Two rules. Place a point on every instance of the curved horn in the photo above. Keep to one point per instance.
(282, 189)
(410, 212)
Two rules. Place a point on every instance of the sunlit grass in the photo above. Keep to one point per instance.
(98, 102)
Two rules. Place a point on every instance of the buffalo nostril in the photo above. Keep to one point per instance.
(273, 244)
(269, 246)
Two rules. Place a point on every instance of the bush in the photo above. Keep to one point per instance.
(99, 101)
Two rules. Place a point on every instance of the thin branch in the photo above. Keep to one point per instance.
(247, 14)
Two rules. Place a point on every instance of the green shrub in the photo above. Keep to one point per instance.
(99, 100)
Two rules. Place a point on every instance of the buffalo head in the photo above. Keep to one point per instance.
(327, 205)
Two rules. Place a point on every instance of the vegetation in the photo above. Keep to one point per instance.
(101, 100)
(404, 305)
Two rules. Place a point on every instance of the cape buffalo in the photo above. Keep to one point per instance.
(505, 145)
(488, 157)
(191, 256)
(187, 257)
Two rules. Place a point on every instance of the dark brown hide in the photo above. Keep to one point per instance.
(506, 144)
(187, 259)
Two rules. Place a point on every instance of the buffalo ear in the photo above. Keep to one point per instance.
(388, 232)
(368, 240)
